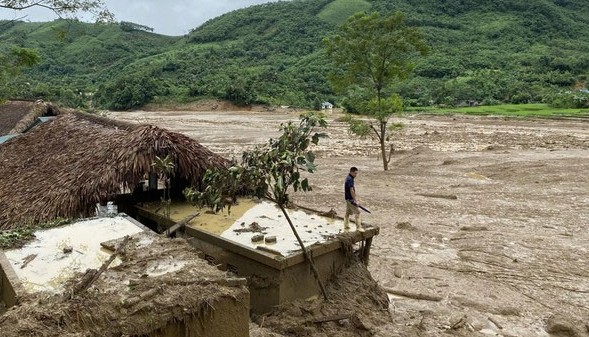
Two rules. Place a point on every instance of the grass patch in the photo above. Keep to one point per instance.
(339, 10)
(16, 238)
(516, 110)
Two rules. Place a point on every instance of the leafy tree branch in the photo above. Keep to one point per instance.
(268, 172)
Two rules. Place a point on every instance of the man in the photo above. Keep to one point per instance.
(351, 200)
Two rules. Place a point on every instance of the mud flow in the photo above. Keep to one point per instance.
(483, 222)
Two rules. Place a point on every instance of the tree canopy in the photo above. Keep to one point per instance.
(16, 58)
(371, 52)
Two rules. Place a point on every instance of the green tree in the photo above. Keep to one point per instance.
(372, 52)
(11, 63)
(126, 93)
(269, 172)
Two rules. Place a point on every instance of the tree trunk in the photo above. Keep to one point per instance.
(305, 253)
(383, 151)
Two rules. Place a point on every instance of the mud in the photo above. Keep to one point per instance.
(145, 295)
(506, 252)
(356, 305)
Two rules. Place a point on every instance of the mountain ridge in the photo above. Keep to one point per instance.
(486, 51)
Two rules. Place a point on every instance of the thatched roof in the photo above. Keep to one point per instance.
(18, 116)
(64, 167)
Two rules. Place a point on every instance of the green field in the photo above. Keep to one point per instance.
(518, 110)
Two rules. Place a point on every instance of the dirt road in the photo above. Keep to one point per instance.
(489, 214)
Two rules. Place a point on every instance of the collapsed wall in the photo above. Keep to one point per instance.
(161, 288)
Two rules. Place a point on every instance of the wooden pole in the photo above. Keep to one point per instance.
(93, 275)
(180, 224)
(366, 251)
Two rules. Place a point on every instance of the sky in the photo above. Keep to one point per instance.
(172, 17)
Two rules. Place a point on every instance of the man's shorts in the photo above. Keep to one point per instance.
(351, 209)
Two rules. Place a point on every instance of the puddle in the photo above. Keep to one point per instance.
(51, 267)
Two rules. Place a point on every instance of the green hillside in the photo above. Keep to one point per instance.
(482, 50)
(338, 11)
(76, 57)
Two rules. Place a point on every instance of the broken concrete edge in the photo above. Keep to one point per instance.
(160, 219)
(10, 286)
(112, 244)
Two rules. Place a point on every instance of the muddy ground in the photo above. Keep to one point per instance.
(486, 216)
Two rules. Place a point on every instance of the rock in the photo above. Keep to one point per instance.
(257, 238)
(270, 239)
(562, 327)
(68, 249)
(405, 225)
(397, 273)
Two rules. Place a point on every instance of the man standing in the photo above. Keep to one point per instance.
(351, 200)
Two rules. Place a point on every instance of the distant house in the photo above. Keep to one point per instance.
(64, 167)
(326, 106)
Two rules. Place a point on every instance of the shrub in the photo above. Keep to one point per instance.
(569, 99)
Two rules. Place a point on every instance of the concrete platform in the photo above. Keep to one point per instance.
(276, 272)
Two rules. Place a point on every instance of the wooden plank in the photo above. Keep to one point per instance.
(329, 319)
(415, 296)
(180, 224)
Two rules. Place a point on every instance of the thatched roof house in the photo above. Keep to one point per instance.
(64, 167)
(18, 116)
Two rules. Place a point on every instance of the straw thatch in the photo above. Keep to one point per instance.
(18, 116)
(64, 167)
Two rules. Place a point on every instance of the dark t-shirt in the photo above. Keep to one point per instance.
(349, 184)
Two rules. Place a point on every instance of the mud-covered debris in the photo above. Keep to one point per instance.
(560, 326)
(253, 227)
(258, 238)
(330, 214)
(474, 228)
(405, 225)
(356, 306)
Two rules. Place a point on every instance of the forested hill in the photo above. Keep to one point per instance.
(484, 50)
